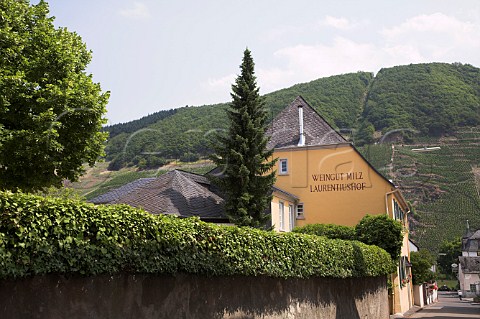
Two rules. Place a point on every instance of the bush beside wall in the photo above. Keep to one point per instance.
(49, 235)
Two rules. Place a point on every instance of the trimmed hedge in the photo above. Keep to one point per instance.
(378, 230)
(331, 231)
(49, 235)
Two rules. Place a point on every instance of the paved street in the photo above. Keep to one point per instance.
(449, 306)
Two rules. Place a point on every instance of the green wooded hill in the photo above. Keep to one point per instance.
(434, 99)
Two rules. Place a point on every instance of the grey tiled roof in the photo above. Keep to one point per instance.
(117, 193)
(472, 243)
(284, 131)
(195, 177)
(177, 193)
(290, 195)
(476, 235)
(470, 264)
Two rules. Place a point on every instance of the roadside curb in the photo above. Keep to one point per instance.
(408, 313)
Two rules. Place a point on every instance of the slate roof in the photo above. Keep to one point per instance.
(176, 192)
(470, 264)
(284, 131)
(476, 235)
(472, 243)
(117, 193)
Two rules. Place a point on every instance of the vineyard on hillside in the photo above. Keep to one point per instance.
(441, 180)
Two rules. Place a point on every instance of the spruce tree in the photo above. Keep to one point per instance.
(247, 164)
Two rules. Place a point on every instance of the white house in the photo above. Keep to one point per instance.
(469, 264)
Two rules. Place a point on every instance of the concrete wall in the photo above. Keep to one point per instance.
(189, 296)
(418, 291)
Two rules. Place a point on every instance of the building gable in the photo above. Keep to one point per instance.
(284, 131)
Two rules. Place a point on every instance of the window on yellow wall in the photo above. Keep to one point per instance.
(402, 271)
(300, 213)
(398, 213)
(291, 219)
(283, 166)
(281, 211)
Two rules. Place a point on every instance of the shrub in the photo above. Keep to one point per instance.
(378, 230)
(117, 163)
(50, 235)
(328, 230)
(189, 157)
(381, 231)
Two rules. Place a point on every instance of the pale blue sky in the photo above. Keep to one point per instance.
(155, 55)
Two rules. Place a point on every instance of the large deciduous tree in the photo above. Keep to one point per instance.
(51, 111)
(243, 154)
(422, 262)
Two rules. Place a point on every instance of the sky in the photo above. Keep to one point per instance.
(157, 54)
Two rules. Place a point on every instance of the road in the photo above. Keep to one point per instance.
(449, 306)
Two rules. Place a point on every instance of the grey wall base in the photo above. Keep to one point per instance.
(190, 296)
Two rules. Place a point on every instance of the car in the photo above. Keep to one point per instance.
(444, 288)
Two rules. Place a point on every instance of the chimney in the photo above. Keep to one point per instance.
(301, 141)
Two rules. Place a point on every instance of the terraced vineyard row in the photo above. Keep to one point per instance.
(442, 184)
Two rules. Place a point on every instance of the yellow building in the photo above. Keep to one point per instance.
(323, 179)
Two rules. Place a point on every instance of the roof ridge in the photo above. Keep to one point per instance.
(119, 192)
(324, 120)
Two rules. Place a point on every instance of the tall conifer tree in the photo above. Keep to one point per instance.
(242, 153)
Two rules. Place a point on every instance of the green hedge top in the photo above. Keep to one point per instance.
(331, 231)
(45, 235)
(378, 230)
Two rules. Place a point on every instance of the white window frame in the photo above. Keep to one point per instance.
(300, 211)
(281, 215)
(280, 166)
(291, 218)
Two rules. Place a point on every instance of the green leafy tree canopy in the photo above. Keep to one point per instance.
(50, 109)
(242, 153)
(448, 254)
(382, 231)
(422, 262)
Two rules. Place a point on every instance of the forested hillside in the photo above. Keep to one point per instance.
(136, 125)
(186, 133)
(432, 99)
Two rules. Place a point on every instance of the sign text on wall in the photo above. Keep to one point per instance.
(337, 182)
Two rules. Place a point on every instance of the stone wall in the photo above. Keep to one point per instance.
(191, 296)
